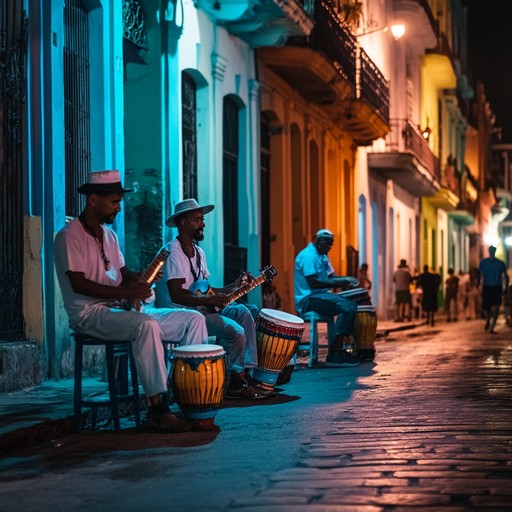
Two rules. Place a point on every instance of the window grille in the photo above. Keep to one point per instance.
(13, 50)
(189, 135)
(77, 114)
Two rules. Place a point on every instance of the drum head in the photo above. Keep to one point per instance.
(281, 318)
(198, 350)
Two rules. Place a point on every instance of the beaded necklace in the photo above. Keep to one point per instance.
(198, 259)
(99, 240)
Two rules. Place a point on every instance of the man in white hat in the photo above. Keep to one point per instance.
(185, 272)
(93, 279)
(313, 278)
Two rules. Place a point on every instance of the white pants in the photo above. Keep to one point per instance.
(146, 330)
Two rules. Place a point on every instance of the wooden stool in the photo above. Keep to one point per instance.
(117, 381)
(314, 319)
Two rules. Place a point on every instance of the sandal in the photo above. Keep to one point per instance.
(160, 417)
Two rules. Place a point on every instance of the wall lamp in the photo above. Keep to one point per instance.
(397, 30)
(425, 133)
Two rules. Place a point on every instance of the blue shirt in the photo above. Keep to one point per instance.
(492, 271)
(309, 262)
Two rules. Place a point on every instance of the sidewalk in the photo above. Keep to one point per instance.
(44, 412)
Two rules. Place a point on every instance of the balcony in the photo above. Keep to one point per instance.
(329, 70)
(407, 160)
(260, 22)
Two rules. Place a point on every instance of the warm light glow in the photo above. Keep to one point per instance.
(426, 133)
(398, 31)
(491, 239)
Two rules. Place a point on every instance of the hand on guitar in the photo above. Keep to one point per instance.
(218, 300)
(243, 280)
(137, 290)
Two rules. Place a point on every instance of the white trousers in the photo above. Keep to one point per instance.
(146, 330)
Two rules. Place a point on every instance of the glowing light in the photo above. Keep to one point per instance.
(491, 239)
(398, 31)
(508, 241)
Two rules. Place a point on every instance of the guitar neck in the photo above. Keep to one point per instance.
(155, 266)
(247, 288)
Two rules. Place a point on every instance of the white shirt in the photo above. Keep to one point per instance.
(76, 250)
(177, 266)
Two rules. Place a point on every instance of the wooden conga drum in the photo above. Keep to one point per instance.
(199, 379)
(277, 338)
(364, 332)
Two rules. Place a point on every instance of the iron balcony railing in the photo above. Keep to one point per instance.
(372, 88)
(333, 38)
(403, 137)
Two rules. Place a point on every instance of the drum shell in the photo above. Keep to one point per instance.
(199, 384)
(277, 343)
(365, 328)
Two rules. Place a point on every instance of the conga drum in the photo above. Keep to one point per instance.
(360, 296)
(277, 338)
(364, 332)
(198, 379)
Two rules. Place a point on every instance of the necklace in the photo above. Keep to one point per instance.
(99, 240)
(198, 259)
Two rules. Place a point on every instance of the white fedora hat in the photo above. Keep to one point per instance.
(188, 205)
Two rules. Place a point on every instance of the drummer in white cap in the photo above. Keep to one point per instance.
(314, 277)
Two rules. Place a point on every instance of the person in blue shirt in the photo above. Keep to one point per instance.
(493, 272)
(313, 279)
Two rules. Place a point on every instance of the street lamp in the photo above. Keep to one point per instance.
(398, 31)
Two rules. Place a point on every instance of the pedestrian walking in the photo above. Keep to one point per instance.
(402, 279)
(471, 306)
(462, 292)
(429, 283)
(450, 295)
(493, 273)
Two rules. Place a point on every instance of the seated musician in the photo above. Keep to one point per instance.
(185, 277)
(94, 279)
(313, 278)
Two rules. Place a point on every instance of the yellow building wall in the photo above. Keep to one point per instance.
(311, 180)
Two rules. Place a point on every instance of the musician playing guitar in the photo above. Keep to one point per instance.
(231, 324)
(94, 279)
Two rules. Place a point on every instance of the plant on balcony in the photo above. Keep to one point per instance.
(349, 11)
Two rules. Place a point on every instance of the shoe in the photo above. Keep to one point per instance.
(337, 359)
(492, 332)
(160, 417)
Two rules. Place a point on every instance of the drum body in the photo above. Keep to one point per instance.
(198, 378)
(277, 337)
(358, 295)
(364, 332)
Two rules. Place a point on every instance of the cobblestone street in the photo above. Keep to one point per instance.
(425, 427)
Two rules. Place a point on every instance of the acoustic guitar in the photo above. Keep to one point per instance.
(202, 287)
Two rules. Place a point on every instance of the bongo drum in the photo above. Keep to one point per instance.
(364, 332)
(198, 379)
(277, 338)
(358, 295)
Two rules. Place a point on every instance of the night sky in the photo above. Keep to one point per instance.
(490, 55)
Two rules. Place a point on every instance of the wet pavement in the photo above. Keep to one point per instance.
(426, 426)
